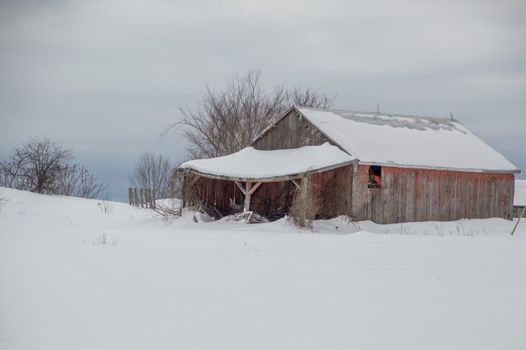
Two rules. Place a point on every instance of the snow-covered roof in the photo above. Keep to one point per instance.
(251, 164)
(519, 199)
(409, 141)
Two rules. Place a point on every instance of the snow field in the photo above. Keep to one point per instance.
(226, 285)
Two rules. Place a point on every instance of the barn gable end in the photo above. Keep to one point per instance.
(290, 131)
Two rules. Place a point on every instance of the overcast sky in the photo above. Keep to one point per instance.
(106, 77)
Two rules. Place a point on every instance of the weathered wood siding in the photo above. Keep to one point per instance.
(292, 131)
(423, 195)
(406, 195)
(333, 188)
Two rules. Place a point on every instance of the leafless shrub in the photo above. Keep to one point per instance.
(228, 120)
(44, 166)
(153, 173)
(99, 239)
(105, 206)
(102, 239)
(305, 207)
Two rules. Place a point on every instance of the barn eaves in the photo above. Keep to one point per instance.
(253, 167)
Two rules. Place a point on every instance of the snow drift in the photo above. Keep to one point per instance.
(153, 284)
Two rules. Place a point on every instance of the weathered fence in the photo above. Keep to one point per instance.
(141, 197)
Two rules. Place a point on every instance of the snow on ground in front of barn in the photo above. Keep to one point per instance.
(227, 285)
(520, 193)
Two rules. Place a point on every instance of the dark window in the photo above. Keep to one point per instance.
(375, 176)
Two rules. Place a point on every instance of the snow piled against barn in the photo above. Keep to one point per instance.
(253, 164)
(89, 274)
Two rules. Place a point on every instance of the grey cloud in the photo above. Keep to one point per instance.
(105, 77)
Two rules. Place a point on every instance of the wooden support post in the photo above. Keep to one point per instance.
(518, 220)
(304, 187)
(247, 196)
(247, 191)
(185, 190)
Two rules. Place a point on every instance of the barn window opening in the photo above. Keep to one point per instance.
(375, 176)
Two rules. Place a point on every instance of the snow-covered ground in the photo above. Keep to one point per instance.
(520, 193)
(227, 285)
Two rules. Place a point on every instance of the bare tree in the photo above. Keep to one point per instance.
(77, 181)
(44, 166)
(35, 166)
(228, 120)
(153, 172)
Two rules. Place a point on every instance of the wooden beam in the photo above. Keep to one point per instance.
(247, 196)
(518, 220)
(241, 188)
(254, 188)
(194, 180)
(296, 184)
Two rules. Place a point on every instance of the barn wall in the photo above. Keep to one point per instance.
(423, 195)
(292, 131)
(333, 188)
(267, 199)
(217, 193)
(406, 195)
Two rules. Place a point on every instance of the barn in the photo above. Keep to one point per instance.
(369, 166)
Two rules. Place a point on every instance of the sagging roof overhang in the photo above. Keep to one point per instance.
(254, 165)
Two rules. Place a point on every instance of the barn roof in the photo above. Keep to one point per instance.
(250, 164)
(407, 141)
(519, 200)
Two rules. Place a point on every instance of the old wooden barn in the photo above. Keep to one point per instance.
(369, 166)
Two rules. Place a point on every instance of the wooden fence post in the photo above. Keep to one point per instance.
(130, 196)
(141, 197)
(185, 180)
(150, 199)
(518, 220)
(135, 198)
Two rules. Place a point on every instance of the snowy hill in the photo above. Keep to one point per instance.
(87, 274)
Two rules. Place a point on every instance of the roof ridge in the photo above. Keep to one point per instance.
(376, 113)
